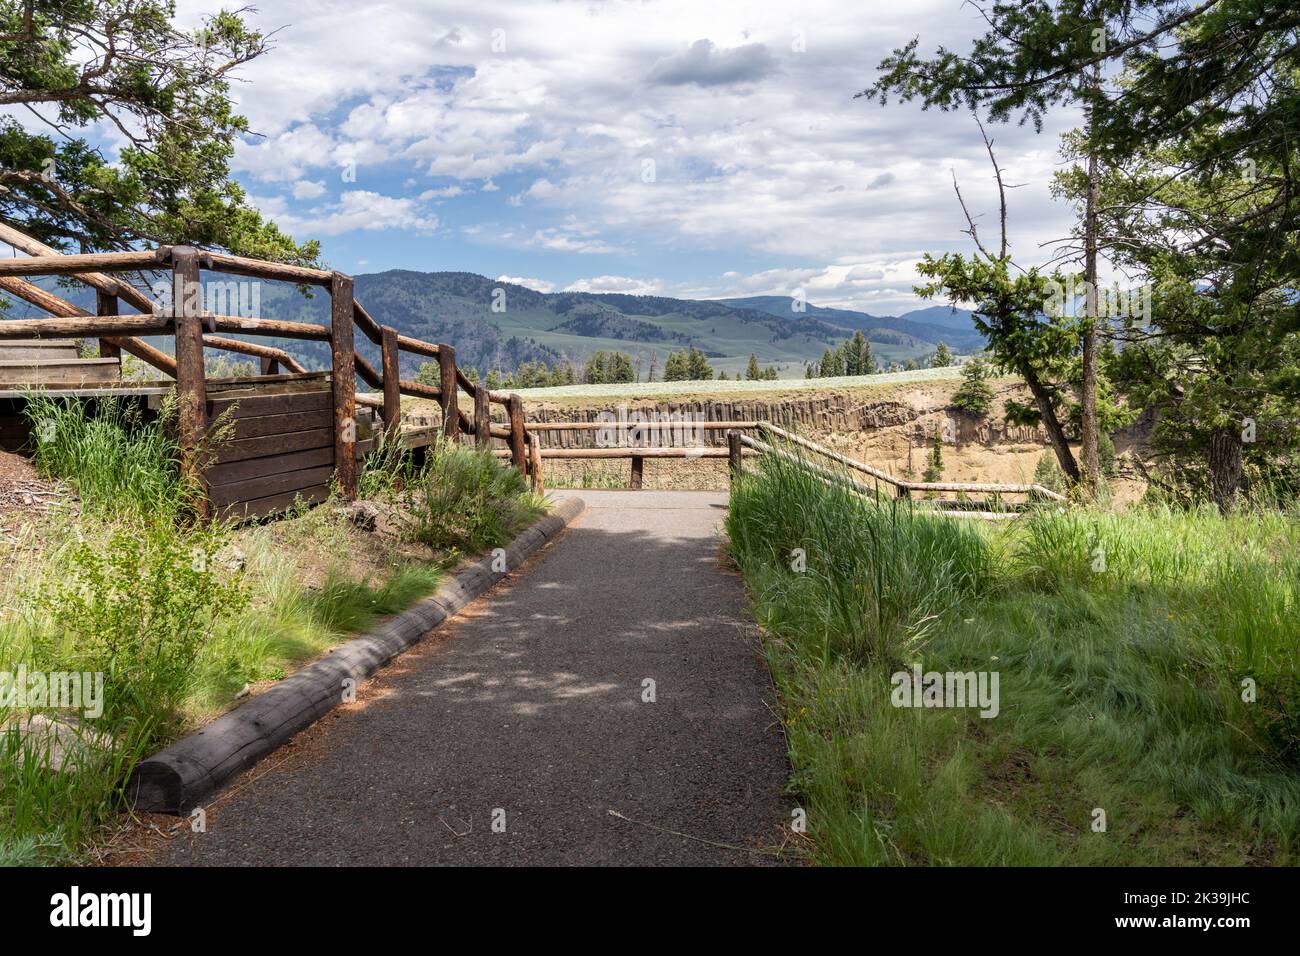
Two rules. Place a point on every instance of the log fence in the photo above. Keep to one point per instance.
(193, 329)
(824, 462)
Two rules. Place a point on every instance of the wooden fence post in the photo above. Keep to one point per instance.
(191, 381)
(270, 366)
(516, 408)
(638, 463)
(482, 416)
(106, 304)
(391, 376)
(733, 454)
(343, 376)
(535, 464)
(450, 391)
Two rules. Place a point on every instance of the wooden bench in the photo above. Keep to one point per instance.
(53, 363)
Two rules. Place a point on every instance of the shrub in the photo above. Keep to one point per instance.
(934, 461)
(136, 607)
(464, 498)
(1048, 473)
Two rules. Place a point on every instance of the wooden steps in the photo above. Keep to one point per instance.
(55, 373)
(53, 364)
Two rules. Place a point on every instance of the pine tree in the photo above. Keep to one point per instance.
(675, 369)
(857, 355)
(934, 467)
(752, 372)
(594, 371)
(698, 367)
(626, 373)
(974, 395)
(866, 361)
(942, 357)
(827, 364)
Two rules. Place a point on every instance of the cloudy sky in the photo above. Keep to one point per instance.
(683, 148)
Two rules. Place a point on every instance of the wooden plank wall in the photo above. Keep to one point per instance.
(279, 445)
(16, 431)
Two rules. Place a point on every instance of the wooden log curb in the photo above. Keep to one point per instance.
(179, 778)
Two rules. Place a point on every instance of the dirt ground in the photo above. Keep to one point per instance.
(26, 504)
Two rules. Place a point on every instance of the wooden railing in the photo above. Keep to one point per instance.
(636, 453)
(195, 329)
(993, 507)
(740, 445)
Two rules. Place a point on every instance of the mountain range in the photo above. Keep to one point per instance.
(495, 324)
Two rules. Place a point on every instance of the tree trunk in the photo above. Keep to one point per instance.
(1089, 436)
(1055, 433)
(1225, 467)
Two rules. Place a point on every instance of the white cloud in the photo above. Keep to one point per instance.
(447, 192)
(537, 285)
(623, 284)
(759, 150)
(308, 189)
(571, 239)
(356, 209)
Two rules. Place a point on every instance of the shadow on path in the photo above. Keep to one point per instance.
(531, 704)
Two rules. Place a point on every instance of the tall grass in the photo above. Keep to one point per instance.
(875, 579)
(1148, 667)
(287, 623)
(115, 459)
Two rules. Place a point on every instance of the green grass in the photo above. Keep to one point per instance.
(181, 617)
(1121, 642)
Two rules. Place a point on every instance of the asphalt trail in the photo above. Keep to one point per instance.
(529, 708)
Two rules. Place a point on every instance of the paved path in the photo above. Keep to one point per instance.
(531, 702)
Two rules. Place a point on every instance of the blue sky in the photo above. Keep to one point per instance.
(666, 147)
